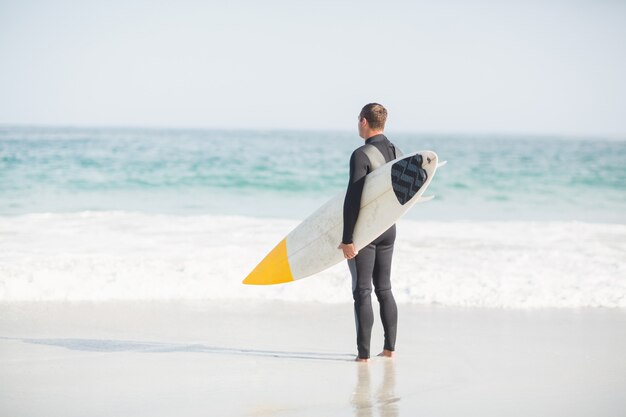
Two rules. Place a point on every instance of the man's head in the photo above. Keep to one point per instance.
(372, 120)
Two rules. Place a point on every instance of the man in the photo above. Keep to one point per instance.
(373, 262)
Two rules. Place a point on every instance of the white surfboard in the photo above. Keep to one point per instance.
(388, 193)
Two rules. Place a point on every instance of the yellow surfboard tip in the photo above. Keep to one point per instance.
(273, 269)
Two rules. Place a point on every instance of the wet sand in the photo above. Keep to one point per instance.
(290, 359)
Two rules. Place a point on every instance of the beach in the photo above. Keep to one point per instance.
(154, 156)
(122, 254)
(269, 358)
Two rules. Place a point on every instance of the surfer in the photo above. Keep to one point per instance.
(373, 262)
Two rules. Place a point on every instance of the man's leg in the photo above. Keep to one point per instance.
(361, 268)
(382, 285)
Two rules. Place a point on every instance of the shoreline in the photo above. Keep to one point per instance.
(139, 256)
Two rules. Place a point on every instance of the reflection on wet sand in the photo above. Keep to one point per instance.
(385, 400)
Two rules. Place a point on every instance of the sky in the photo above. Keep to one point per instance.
(525, 67)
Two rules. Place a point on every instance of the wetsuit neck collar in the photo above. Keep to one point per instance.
(376, 138)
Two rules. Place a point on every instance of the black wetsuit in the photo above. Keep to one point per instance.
(373, 262)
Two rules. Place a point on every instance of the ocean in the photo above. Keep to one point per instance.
(127, 213)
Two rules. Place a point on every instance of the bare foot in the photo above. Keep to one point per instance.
(364, 360)
(387, 353)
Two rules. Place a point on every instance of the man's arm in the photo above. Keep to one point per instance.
(359, 166)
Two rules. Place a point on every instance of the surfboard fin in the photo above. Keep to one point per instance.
(442, 163)
(425, 198)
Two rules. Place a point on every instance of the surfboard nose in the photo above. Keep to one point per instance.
(273, 269)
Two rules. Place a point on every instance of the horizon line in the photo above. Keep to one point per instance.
(485, 133)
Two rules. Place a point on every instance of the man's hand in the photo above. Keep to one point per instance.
(349, 251)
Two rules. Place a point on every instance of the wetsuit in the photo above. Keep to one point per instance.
(373, 262)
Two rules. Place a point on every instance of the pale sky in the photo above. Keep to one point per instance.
(541, 67)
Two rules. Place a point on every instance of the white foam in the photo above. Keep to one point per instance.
(127, 255)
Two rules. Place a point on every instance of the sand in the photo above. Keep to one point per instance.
(243, 358)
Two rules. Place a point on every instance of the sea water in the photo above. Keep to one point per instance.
(112, 213)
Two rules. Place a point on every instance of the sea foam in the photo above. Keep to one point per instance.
(132, 255)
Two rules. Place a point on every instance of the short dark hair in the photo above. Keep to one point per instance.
(375, 114)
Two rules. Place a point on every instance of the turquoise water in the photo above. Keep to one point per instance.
(289, 173)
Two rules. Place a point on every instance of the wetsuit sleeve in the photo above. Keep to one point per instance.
(359, 167)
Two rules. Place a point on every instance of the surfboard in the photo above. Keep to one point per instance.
(388, 193)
